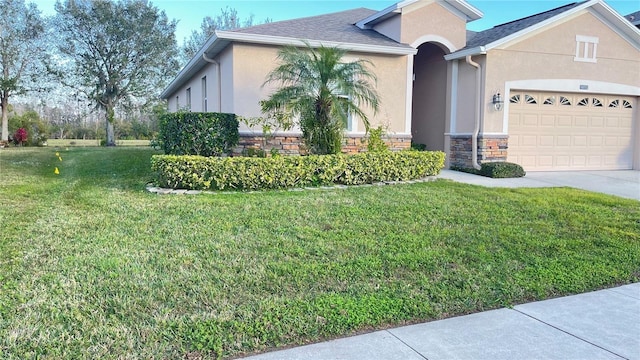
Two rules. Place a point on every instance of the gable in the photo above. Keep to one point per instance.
(435, 20)
(416, 22)
(513, 32)
(562, 38)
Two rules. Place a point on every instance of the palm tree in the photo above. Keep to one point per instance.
(322, 91)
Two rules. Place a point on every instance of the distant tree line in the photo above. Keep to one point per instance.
(113, 57)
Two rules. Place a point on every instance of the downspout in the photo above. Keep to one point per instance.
(218, 75)
(476, 125)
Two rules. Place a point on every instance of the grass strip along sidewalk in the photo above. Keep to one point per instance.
(93, 266)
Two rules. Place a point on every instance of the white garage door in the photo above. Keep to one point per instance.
(563, 131)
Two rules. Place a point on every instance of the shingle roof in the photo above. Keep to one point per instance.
(501, 31)
(634, 18)
(335, 27)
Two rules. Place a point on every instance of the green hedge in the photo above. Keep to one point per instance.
(242, 173)
(495, 170)
(192, 133)
(502, 170)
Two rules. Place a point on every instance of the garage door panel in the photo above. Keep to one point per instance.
(611, 141)
(547, 140)
(595, 160)
(612, 122)
(581, 132)
(548, 121)
(563, 140)
(530, 120)
(578, 161)
(580, 121)
(528, 140)
(595, 141)
(545, 160)
(563, 160)
(597, 121)
(561, 121)
(580, 140)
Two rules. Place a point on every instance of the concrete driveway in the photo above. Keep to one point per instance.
(623, 183)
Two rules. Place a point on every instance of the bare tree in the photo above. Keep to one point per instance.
(115, 52)
(22, 52)
(227, 20)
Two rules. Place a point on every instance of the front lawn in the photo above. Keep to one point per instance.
(93, 266)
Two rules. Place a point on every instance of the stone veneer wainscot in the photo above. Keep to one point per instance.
(490, 149)
(293, 144)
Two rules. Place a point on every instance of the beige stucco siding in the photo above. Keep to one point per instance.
(196, 86)
(465, 96)
(227, 84)
(550, 55)
(252, 64)
(419, 23)
(432, 21)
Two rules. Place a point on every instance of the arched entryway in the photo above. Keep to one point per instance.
(429, 109)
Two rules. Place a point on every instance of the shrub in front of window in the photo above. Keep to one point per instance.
(191, 133)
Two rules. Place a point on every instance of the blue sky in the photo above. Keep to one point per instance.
(189, 13)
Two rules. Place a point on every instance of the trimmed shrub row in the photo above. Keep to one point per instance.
(496, 170)
(280, 172)
(192, 133)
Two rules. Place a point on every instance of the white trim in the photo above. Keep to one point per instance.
(627, 32)
(395, 8)
(479, 50)
(454, 97)
(281, 40)
(461, 7)
(409, 96)
(220, 39)
(572, 86)
(540, 25)
(459, 11)
(506, 106)
(434, 38)
(582, 52)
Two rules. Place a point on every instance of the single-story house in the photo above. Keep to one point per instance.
(558, 90)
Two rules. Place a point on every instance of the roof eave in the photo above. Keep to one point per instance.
(539, 25)
(627, 29)
(469, 12)
(282, 40)
(479, 50)
(368, 22)
(472, 13)
(194, 65)
(220, 39)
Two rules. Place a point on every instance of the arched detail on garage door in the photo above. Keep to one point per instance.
(564, 85)
(570, 130)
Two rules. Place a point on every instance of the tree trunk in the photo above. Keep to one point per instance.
(111, 141)
(4, 103)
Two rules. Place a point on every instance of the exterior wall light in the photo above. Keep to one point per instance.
(498, 103)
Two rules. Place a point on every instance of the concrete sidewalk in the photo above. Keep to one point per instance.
(623, 183)
(603, 324)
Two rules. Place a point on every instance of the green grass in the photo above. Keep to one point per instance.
(93, 266)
